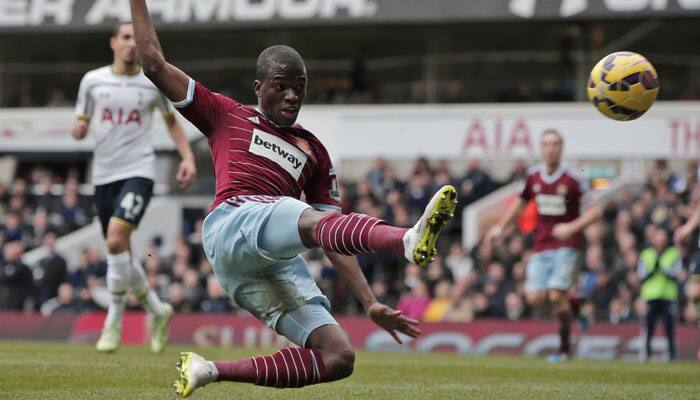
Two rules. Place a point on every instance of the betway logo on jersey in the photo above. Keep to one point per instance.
(550, 204)
(281, 152)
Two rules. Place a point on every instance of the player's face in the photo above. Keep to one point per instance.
(123, 44)
(282, 93)
(551, 149)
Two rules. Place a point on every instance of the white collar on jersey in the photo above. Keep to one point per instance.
(549, 179)
(257, 108)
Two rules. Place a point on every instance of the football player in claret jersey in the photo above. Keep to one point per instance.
(559, 195)
(115, 105)
(257, 226)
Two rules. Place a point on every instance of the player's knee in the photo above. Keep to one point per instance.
(117, 239)
(536, 299)
(307, 226)
(557, 299)
(116, 244)
(341, 364)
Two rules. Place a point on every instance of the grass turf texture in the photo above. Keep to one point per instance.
(66, 371)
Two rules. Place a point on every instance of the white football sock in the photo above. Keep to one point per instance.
(117, 277)
(139, 285)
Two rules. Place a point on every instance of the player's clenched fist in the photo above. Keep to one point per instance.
(186, 173)
(80, 129)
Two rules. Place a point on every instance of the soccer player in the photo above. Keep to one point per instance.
(552, 268)
(693, 290)
(257, 226)
(116, 104)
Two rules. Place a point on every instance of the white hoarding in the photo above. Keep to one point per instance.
(499, 131)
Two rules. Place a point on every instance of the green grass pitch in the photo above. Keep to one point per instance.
(66, 371)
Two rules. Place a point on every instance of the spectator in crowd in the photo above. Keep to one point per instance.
(515, 306)
(16, 285)
(436, 273)
(519, 171)
(414, 303)
(79, 276)
(382, 293)
(375, 177)
(72, 214)
(3, 195)
(57, 98)
(418, 190)
(14, 229)
(459, 264)
(192, 289)
(67, 302)
(43, 198)
(620, 312)
(475, 184)
(40, 226)
(661, 175)
(51, 272)
(176, 297)
(495, 288)
(461, 309)
(216, 299)
(440, 303)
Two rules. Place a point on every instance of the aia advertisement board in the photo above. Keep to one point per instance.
(451, 131)
(531, 338)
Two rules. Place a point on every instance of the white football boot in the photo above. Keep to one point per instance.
(193, 372)
(419, 241)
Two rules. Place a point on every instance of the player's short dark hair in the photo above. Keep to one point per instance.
(278, 54)
(552, 131)
(117, 26)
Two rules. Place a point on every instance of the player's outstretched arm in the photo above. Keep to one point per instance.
(390, 320)
(566, 230)
(684, 231)
(494, 234)
(169, 79)
(187, 170)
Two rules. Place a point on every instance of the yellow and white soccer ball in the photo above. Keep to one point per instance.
(623, 85)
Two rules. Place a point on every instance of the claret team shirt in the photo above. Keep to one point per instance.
(255, 157)
(558, 199)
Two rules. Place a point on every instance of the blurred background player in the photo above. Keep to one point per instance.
(257, 226)
(119, 101)
(559, 195)
(659, 268)
(693, 288)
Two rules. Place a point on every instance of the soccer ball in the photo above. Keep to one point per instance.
(623, 85)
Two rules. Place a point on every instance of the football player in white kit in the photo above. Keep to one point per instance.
(116, 104)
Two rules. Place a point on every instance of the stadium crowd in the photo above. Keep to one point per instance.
(483, 282)
(358, 88)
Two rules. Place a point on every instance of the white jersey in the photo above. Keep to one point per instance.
(120, 110)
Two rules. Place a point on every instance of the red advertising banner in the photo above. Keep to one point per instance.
(534, 338)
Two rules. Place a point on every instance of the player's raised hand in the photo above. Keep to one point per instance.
(493, 235)
(393, 321)
(682, 233)
(186, 173)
